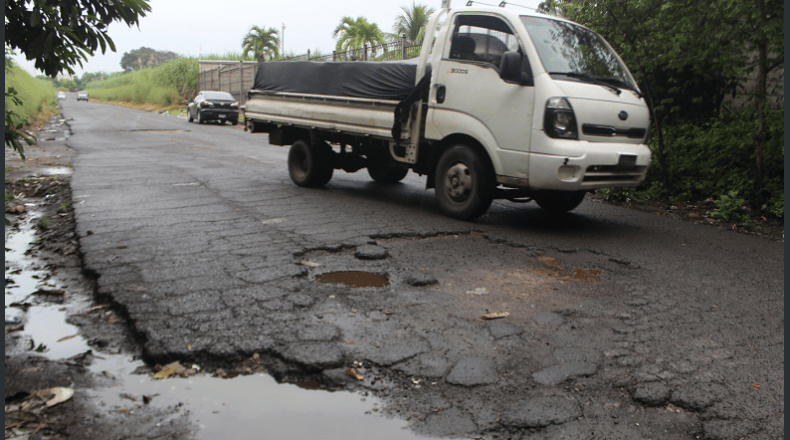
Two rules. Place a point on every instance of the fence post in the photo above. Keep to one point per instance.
(403, 46)
(334, 55)
(241, 80)
(364, 52)
(308, 54)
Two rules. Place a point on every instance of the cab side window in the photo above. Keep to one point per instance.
(481, 38)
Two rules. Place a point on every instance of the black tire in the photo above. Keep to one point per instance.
(190, 116)
(199, 118)
(235, 122)
(386, 174)
(464, 184)
(559, 201)
(310, 165)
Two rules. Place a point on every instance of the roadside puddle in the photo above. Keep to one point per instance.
(58, 171)
(354, 278)
(251, 406)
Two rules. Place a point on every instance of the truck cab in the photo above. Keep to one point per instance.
(545, 102)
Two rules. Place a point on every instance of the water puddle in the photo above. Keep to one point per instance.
(58, 171)
(253, 406)
(354, 278)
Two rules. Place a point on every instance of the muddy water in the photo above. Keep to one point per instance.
(245, 407)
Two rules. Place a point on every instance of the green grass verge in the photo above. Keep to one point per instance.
(164, 85)
(35, 94)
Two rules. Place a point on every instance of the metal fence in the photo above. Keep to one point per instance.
(236, 77)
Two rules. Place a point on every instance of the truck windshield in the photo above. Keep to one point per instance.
(571, 50)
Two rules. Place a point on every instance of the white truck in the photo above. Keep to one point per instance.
(519, 106)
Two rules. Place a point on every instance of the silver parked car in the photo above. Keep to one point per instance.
(82, 96)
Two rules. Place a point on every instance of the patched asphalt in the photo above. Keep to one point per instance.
(620, 324)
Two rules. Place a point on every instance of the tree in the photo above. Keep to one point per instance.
(92, 76)
(145, 57)
(686, 55)
(412, 22)
(353, 34)
(262, 43)
(761, 26)
(59, 35)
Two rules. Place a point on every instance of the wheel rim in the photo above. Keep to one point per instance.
(301, 163)
(458, 182)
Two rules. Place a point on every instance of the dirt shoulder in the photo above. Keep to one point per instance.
(39, 188)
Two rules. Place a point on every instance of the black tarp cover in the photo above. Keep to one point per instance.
(373, 80)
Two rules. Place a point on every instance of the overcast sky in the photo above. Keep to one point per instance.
(194, 27)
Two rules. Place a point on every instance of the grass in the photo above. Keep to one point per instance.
(43, 222)
(9, 198)
(166, 85)
(37, 95)
(227, 56)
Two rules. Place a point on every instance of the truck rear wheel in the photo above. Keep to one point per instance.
(559, 201)
(309, 165)
(386, 174)
(464, 186)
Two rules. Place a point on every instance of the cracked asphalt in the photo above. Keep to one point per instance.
(620, 324)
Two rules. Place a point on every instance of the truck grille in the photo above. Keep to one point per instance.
(611, 173)
(608, 131)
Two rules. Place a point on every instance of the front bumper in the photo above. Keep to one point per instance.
(208, 113)
(583, 166)
(601, 165)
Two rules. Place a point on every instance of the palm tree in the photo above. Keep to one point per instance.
(352, 34)
(412, 21)
(262, 43)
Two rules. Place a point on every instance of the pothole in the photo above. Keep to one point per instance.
(215, 406)
(354, 278)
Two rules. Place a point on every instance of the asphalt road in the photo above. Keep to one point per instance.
(622, 324)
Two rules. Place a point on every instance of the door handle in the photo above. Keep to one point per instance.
(440, 93)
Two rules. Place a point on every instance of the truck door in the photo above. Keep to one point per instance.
(467, 89)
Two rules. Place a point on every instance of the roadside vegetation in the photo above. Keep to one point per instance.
(36, 97)
(712, 76)
(162, 85)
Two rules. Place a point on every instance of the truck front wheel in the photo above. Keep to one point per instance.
(559, 201)
(309, 165)
(464, 186)
(386, 174)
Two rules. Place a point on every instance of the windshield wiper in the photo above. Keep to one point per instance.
(588, 78)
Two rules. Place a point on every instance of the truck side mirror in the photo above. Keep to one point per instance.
(514, 69)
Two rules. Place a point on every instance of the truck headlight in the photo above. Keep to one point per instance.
(560, 121)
